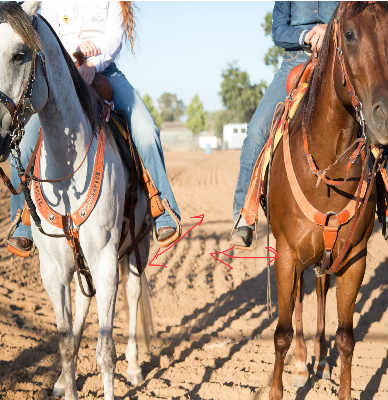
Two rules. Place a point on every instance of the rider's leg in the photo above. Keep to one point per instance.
(146, 138)
(258, 130)
(27, 145)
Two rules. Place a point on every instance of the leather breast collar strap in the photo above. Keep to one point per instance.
(331, 222)
(65, 222)
(70, 223)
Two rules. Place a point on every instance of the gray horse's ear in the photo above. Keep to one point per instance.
(31, 7)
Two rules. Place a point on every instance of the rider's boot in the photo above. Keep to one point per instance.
(242, 234)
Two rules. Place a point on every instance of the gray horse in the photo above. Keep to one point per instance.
(68, 125)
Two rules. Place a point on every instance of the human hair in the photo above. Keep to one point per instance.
(127, 11)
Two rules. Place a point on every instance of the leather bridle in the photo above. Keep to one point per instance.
(360, 142)
(337, 35)
(19, 110)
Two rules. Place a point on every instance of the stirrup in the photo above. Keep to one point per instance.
(173, 238)
(21, 253)
(12, 249)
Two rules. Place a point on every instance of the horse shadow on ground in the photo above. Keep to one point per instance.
(25, 367)
(231, 305)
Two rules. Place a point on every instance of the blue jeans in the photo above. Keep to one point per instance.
(145, 136)
(259, 127)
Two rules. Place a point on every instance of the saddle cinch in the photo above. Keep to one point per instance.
(296, 86)
(132, 162)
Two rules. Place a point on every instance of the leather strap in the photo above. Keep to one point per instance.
(306, 207)
(63, 178)
(83, 212)
(337, 264)
(337, 27)
(30, 164)
(321, 174)
(384, 176)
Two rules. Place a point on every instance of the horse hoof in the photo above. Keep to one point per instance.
(135, 377)
(299, 379)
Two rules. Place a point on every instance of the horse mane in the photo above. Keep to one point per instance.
(309, 103)
(13, 14)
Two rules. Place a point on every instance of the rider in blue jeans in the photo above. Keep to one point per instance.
(294, 25)
(102, 29)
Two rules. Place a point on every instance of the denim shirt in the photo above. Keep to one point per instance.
(291, 20)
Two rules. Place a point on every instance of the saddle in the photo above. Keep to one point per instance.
(124, 140)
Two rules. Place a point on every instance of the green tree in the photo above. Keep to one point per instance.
(272, 56)
(221, 118)
(153, 111)
(197, 119)
(171, 108)
(238, 94)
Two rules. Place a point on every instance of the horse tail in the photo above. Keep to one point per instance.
(124, 274)
(146, 311)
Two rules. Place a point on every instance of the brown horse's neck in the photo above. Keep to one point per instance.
(333, 128)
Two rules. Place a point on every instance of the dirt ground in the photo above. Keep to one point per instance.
(214, 340)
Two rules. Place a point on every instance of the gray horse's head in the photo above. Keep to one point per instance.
(19, 41)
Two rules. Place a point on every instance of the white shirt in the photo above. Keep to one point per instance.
(77, 21)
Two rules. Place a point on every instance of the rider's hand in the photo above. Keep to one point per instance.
(87, 71)
(88, 49)
(315, 37)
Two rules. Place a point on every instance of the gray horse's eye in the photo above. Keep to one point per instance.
(19, 58)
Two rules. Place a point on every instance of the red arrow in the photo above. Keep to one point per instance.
(159, 252)
(270, 259)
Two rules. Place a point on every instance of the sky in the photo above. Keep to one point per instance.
(183, 47)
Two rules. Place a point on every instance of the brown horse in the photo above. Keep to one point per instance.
(349, 83)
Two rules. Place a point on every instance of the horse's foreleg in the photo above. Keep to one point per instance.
(132, 288)
(105, 276)
(348, 285)
(82, 303)
(320, 344)
(301, 375)
(286, 282)
(59, 292)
